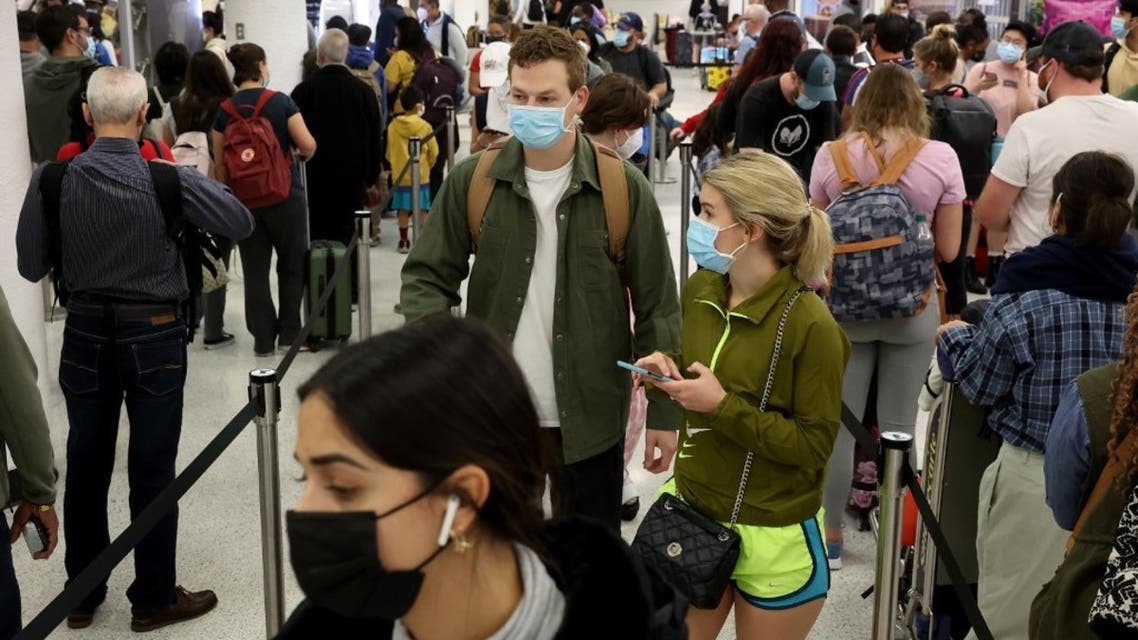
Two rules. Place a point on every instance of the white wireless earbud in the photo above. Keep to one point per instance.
(453, 503)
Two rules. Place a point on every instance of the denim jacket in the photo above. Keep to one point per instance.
(591, 321)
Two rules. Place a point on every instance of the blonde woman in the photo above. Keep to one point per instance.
(760, 244)
(890, 114)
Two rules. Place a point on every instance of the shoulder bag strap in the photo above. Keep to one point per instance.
(479, 192)
(1106, 480)
(614, 193)
(228, 107)
(766, 398)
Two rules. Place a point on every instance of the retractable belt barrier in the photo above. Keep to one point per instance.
(909, 477)
(103, 564)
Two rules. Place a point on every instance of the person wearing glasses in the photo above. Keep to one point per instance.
(47, 92)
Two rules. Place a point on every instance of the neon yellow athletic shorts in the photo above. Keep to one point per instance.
(779, 567)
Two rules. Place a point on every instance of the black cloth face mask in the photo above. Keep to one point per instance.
(493, 39)
(336, 562)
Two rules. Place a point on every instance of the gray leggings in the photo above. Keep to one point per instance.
(899, 351)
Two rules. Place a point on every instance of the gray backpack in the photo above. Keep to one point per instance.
(879, 269)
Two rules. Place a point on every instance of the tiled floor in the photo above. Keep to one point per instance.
(219, 534)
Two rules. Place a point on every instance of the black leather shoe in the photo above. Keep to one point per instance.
(994, 265)
(629, 509)
(187, 606)
(972, 281)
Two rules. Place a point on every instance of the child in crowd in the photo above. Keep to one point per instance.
(405, 126)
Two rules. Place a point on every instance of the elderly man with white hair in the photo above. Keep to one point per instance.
(343, 114)
(99, 221)
(755, 19)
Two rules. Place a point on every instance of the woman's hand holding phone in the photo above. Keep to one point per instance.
(657, 363)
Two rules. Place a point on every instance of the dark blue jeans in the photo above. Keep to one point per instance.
(107, 358)
(9, 589)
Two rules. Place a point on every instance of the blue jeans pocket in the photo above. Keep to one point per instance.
(79, 366)
(161, 366)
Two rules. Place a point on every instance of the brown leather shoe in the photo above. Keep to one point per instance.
(187, 606)
(80, 620)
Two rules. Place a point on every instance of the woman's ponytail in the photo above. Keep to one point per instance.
(815, 248)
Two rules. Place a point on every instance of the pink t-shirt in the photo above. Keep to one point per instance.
(932, 179)
(1002, 97)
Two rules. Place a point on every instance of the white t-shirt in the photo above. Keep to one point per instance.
(1041, 141)
(533, 340)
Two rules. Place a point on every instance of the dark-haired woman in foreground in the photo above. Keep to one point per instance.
(421, 513)
(1057, 311)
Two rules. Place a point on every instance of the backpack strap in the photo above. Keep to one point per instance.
(614, 192)
(266, 95)
(1106, 480)
(900, 162)
(840, 152)
(168, 188)
(51, 189)
(479, 192)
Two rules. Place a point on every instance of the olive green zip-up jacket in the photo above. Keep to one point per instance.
(793, 438)
(591, 319)
(23, 425)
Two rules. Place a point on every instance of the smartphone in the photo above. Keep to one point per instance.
(642, 371)
(35, 534)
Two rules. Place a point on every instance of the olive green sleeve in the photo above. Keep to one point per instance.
(23, 424)
(440, 259)
(652, 285)
(806, 437)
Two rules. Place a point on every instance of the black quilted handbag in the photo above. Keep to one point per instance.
(694, 553)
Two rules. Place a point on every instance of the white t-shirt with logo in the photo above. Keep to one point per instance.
(1040, 142)
(533, 340)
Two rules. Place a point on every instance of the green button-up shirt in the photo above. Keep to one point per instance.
(591, 328)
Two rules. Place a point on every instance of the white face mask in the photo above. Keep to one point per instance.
(632, 144)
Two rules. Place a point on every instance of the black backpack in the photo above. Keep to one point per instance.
(968, 125)
(192, 243)
(536, 11)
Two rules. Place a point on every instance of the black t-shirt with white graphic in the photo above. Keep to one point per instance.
(769, 122)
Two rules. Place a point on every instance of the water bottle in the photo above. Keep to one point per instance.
(924, 234)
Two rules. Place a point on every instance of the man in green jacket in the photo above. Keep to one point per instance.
(23, 428)
(543, 277)
(48, 91)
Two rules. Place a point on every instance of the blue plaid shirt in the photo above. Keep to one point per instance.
(1027, 349)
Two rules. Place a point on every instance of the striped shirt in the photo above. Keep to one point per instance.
(114, 240)
(1028, 348)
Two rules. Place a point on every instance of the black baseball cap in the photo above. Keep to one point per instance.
(1075, 42)
(630, 21)
(816, 70)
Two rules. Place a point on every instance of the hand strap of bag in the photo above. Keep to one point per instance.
(763, 403)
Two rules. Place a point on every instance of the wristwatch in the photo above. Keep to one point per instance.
(44, 507)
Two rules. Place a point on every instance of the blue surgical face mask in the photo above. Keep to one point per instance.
(620, 38)
(1009, 53)
(805, 103)
(701, 246)
(91, 51)
(1118, 27)
(538, 127)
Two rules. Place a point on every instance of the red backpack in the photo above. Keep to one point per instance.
(258, 171)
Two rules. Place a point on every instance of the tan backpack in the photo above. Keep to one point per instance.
(614, 191)
(367, 76)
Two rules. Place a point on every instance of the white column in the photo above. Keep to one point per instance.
(25, 298)
(463, 13)
(279, 27)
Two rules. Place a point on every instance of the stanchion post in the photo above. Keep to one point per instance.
(265, 394)
(652, 149)
(415, 150)
(685, 207)
(895, 448)
(126, 30)
(661, 157)
(363, 263)
(452, 135)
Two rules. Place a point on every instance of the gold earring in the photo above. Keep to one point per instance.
(462, 544)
